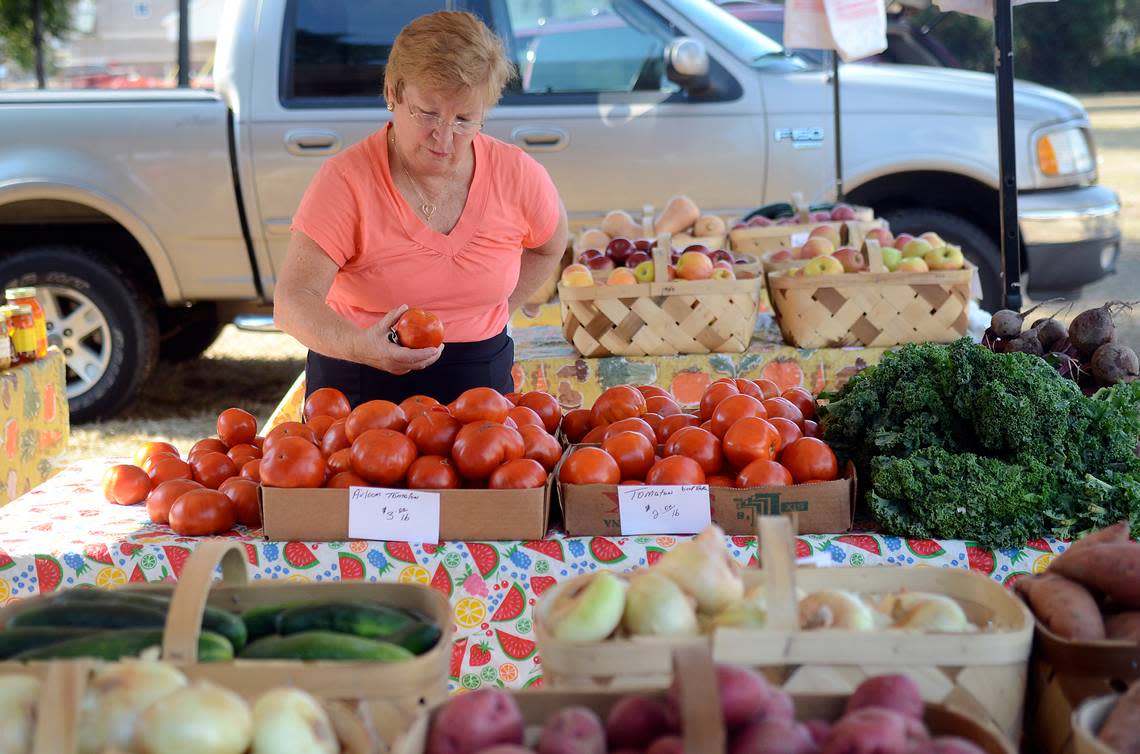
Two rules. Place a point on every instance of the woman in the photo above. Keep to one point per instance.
(427, 212)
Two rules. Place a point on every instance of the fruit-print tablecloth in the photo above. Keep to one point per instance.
(33, 411)
(63, 534)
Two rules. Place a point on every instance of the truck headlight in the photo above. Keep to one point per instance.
(1064, 152)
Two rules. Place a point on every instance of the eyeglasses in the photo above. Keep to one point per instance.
(434, 122)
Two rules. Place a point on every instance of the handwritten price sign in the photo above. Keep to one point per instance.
(668, 509)
(393, 515)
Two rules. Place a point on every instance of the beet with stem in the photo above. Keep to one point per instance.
(1092, 328)
(1006, 323)
(1112, 363)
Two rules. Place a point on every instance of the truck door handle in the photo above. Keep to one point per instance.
(540, 138)
(312, 142)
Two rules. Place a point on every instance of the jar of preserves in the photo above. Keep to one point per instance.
(27, 297)
(23, 334)
(5, 340)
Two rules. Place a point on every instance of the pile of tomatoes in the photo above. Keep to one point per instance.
(746, 433)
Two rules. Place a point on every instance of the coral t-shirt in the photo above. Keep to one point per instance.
(388, 256)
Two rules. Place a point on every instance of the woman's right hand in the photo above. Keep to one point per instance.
(376, 350)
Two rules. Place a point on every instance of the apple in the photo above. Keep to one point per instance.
(821, 216)
(723, 273)
(795, 272)
(618, 249)
(842, 212)
(644, 272)
(882, 236)
(644, 244)
(851, 259)
(902, 239)
(739, 226)
(912, 264)
(946, 257)
(693, 265)
(917, 247)
(621, 276)
(603, 264)
(759, 222)
(891, 257)
(722, 264)
(671, 272)
(589, 254)
(816, 247)
(720, 254)
(933, 239)
(637, 258)
(825, 231)
(577, 275)
(674, 256)
(782, 255)
(698, 247)
(823, 266)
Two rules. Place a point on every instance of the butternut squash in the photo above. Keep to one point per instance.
(620, 223)
(591, 239)
(678, 215)
(709, 225)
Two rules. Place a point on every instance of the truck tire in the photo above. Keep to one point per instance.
(186, 332)
(976, 245)
(114, 352)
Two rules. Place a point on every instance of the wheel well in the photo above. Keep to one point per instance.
(50, 221)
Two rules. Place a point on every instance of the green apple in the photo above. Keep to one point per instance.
(912, 264)
(916, 247)
(891, 257)
(644, 272)
(587, 607)
(947, 257)
(824, 266)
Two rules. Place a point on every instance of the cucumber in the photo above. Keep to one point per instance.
(369, 621)
(16, 640)
(324, 645)
(127, 642)
(262, 620)
(94, 615)
(417, 638)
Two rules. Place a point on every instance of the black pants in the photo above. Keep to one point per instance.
(461, 366)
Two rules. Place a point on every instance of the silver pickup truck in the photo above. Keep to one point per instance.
(149, 218)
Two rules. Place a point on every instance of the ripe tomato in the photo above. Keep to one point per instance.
(340, 461)
(589, 466)
(750, 439)
(810, 459)
(811, 428)
(382, 456)
(243, 494)
(259, 443)
(379, 414)
(160, 499)
(148, 464)
(211, 469)
(513, 397)
(165, 468)
(148, 449)
(201, 513)
(546, 406)
(344, 480)
(748, 387)
(519, 474)
(595, 435)
(801, 399)
(243, 453)
(432, 473)
(326, 401)
(292, 461)
(654, 421)
(434, 433)
(632, 482)
(768, 388)
(252, 470)
(481, 404)
(576, 424)
(632, 451)
(416, 405)
(482, 447)
(720, 480)
(714, 394)
(676, 470)
(698, 444)
(763, 473)
(732, 408)
(124, 484)
(288, 429)
(652, 391)
(616, 403)
(235, 426)
(540, 446)
(662, 404)
(335, 438)
(320, 425)
(523, 415)
(673, 423)
(785, 408)
(789, 431)
(635, 424)
(207, 445)
(417, 328)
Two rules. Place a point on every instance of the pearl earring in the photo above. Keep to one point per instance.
(390, 107)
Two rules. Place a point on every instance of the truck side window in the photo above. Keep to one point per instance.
(337, 49)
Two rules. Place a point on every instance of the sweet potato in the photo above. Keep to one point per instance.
(1114, 534)
(1123, 626)
(894, 692)
(1064, 606)
(573, 730)
(1112, 569)
(1121, 731)
(637, 719)
(775, 736)
(476, 721)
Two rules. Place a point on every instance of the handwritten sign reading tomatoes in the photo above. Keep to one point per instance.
(393, 515)
(664, 509)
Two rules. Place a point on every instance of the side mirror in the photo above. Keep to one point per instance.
(687, 63)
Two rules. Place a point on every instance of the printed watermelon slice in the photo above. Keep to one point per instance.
(431, 548)
(177, 557)
(862, 541)
(539, 584)
(251, 554)
(752, 563)
(130, 549)
(513, 604)
(485, 556)
(744, 542)
(401, 551)
(925, 548)
(6, 561)
(351, 567)
(1013, 578)
(534, 683)
(515, 647)
(981, 560)
(803, 549)
(299, 555)
(1039, 544)
(137, 576)
(458, 651)
(605, 551)
(547, 547)
(49, 575)
(441, 581)
(653, 554)
(98, 553)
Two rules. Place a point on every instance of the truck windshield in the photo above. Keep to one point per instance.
(740, 39)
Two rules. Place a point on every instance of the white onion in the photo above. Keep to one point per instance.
(116, 696)
(290, 721)
(201, 718)
(655, 606)
(703, 567)
(18, 696)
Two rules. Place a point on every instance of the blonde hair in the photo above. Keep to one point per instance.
(448, 51)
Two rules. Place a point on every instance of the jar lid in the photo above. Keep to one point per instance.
(22, 309)
(27, 292)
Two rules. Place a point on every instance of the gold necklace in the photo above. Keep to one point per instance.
(425, 206)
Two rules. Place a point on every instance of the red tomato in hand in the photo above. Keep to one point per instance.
(636, 424)
(335, 438)
(292, 462)
(434, 432)
(124, 484)
(236, 426)
(148, 449)
(700, 445)
(243, 494)
(676, 470)
(432, 473)
(211, 469)
(750, 439)
(576, 424)
(546, 406)
(632, 451)
(671, 424)
(481, 404)
(416, 405)
(731, 409)
(810, 460)
(201, 513)
(523, 415)
(482, 447)
(763, 473)
(382, 456)
(617, 403)
(160, 499)
(378, 414)
(417, 328)
(714, 394)
(540, 446)
(589, 466)
(801, 399)
(519, 474)
(326, 401)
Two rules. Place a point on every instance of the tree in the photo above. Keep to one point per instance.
(1058, 44)
(19, 41)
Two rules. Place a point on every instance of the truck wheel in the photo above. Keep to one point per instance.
(976, 245)
(105, 327)
(187, 331)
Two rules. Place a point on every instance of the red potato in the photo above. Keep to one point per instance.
(637, 719)
(1120, 730)
(744, 693)
(474, 722)
(773, 737)
(952, 745)
(1123, 626)
(667, 745)
(893, 692)
(1064, 606)
(573, 730)
(1112, 569)
(874, 730)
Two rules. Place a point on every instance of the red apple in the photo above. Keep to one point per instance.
(780, 256)
(739, 226)
(619, 248)
(589, 254)
(718, 255)
(602, 263)
(637, 257)
(851, 259)
(815, 247)
(698, 247)
(722, 264)
(759, 222)
(882, 236)
(693, 265)
(902, 239)
(842, 212)
(644, 244)
(820, 217)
